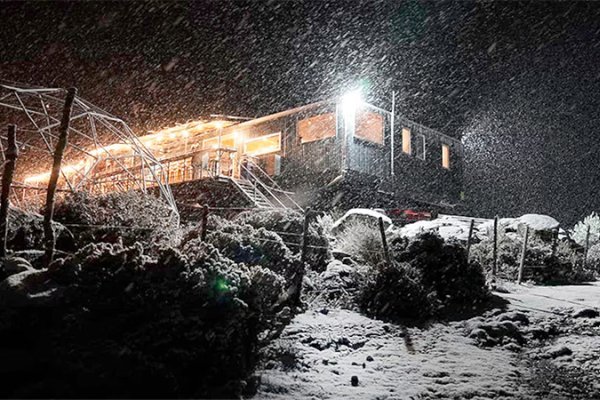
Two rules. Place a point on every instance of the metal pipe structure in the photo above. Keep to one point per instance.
(94, 133)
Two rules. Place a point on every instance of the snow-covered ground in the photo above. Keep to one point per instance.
(321, 350)
(390, 362)
(457, 227)
(549, 298)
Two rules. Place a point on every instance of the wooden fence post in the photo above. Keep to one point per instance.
(204, 225)
(523, 253)
(63, 134)
(555, 240)
(587, 246)
(469, 238)
(305, 227)
(12, 152)
(386, 252)
(495, 254)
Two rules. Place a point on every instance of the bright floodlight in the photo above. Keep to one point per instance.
(351, 100)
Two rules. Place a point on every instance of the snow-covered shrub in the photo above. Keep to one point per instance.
(245, 244)
(361, 241)
(444, 268)
(289, 225)
(338, 285)
(542, 265)
(26, 231)
(396, 291)
(325, 221)
(428, 276)
(593, 258)
(509, 250)
(579, 231)
(128, 216)
(125, 325)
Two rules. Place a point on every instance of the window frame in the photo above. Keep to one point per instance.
(423, 154)
(216, 138)
(368, 140)
(254, 139)
(303, 141)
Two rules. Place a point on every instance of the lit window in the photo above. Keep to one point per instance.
(263, 144)
(369, 126)
(446, 156)
(420, 146)
(316, 128)
(406, 145)
(227, 141)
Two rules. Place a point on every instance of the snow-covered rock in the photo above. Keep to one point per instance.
(448, 227)
(558, 351)
(539, 222)
(336, 268)
(363, 215)
(27, 288)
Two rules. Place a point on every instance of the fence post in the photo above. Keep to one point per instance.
(386, 252)
(587, 246)
(495, 254)
(523, 252)
(63, 134)
(305, 227)
(469, 238)
(204, 224)
(12, 152)
(555, 240)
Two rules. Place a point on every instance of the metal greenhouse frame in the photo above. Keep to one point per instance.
(102, 149)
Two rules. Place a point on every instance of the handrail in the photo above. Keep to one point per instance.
(276, 188)
(256, 179)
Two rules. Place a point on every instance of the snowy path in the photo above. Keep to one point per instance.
(547, 298)
(318, 354)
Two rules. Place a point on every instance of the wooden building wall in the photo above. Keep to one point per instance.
(425, 177)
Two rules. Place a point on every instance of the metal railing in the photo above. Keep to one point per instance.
(266, 188)
(274, 185)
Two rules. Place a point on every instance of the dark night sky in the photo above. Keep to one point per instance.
(518, 81)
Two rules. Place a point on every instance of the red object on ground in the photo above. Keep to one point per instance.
(408, 215)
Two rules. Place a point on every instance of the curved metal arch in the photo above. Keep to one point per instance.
(102, 151)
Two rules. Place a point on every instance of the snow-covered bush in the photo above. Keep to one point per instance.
(542, 264)
(428, 276)
(444, 268)
(325, 221)
(396, 291)
(289, 225)
(246, 244)
(128, 216)
(593, 258)
(579, 231)
(26, 231)
(125, 325)
(361, 241)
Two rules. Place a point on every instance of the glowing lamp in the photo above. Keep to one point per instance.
(352, 100)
